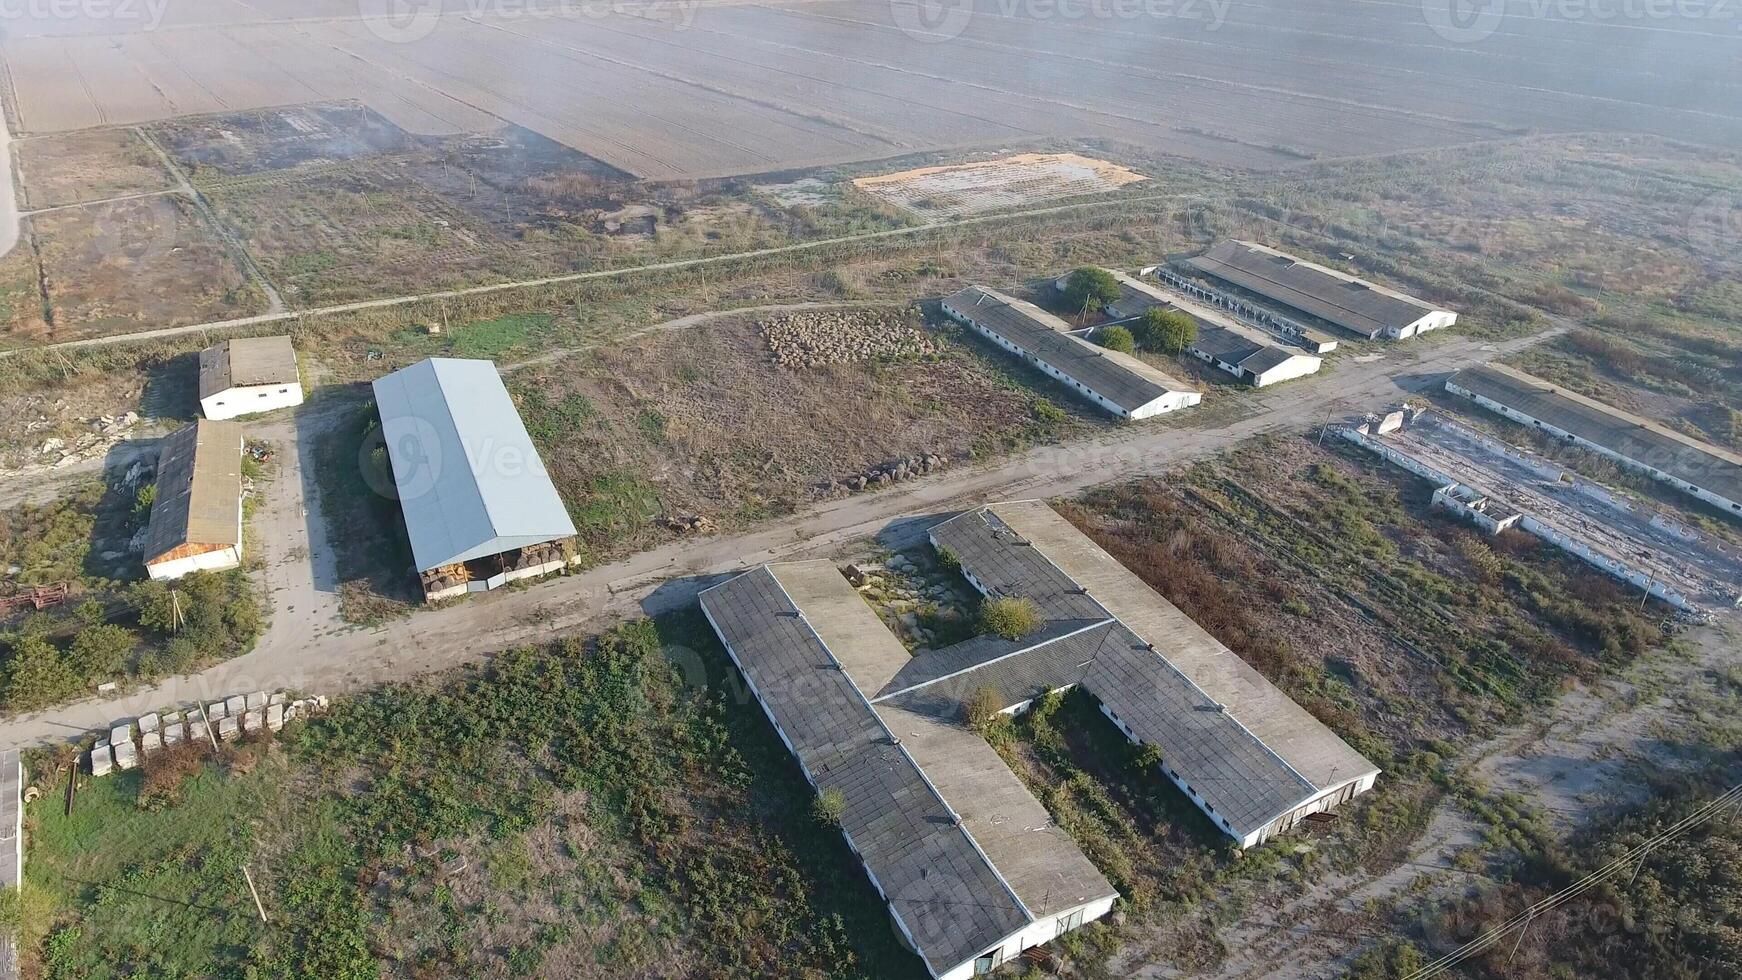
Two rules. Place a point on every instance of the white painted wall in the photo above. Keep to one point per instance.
(208, 561)
(1734, 507)
(1298, 366)
(233, 402)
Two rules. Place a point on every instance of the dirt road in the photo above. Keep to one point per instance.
(304, 647)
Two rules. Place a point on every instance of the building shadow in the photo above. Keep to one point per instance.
(172, 389)
(129, 466)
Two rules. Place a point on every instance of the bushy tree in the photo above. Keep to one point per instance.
(37, 675)
(1012, 617)
(100, 650)
(1167, 331)
(1117, 338)
(1090, 288)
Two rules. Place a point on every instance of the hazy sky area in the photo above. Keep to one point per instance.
(705, 89)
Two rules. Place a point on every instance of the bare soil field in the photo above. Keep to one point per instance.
(93, 165)
(136, 264)
(972, 188)
(703, 423)
(685, 92)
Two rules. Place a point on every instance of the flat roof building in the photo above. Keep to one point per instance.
(971, 866)
(1356, 305)
(1697, 468)
(196, 518)
(248, 375)
(479, 507)
(1119, 383)
(1222, 341)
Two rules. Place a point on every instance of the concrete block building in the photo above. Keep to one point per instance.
(248, 375)
(1118, 383)
(479, 506)
(196, 519)
(1363, 308)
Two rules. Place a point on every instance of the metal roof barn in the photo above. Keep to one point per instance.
(1335, 297)
(470, 481)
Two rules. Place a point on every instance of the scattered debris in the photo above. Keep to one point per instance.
(882, 476)
(230, 719)
(815, 338)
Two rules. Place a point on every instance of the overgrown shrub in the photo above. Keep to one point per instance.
(1116, 338)
(1012, 617)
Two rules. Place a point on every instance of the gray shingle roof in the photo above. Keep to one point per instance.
(1689, 460)
(1120, 378)
(937, 881)
(246, 362)
(1336, 297)
(1244, 778)
(1225, 345)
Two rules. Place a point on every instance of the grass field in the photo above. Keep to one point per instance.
(606, 808)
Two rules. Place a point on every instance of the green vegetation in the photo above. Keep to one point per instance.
(1011, 617)
(1165, 331)
(982, 709)
(493, 338)
(1089, 288)
(581, 809)
(1116, 338)
(200, 619)
(830, 806)
(51, 542)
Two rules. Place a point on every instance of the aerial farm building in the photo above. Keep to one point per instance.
(479, 507)
(196, 517)
(1119, 383)
(1690, 465)
(1356, 305)
(968, 861)
(248, 375)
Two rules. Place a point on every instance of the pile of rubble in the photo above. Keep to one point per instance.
(221, 721)
(908, 593)
(103, 432)
(884, 475)
(692, 524)
(815, 338)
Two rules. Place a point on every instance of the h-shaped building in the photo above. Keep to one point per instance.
(972, 867)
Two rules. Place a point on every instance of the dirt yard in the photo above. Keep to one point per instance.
(1007, 182)
(92, 165)
(704, 423)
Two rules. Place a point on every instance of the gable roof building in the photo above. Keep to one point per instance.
(1356, 305)
(247, 375)
(1119, 383)
(471, 484)
(1235, 348)
(196, 518)
(1690, 465)
(972, 868)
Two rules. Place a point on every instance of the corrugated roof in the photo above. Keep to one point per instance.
(1681, 456)
(931, 870)
(247, 361)
(470, 481)
(1246, 747)
(199, 490)
(1336, 297)
(1120, 378)
(1222, 339)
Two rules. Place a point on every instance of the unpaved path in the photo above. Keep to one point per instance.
(300, 651)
